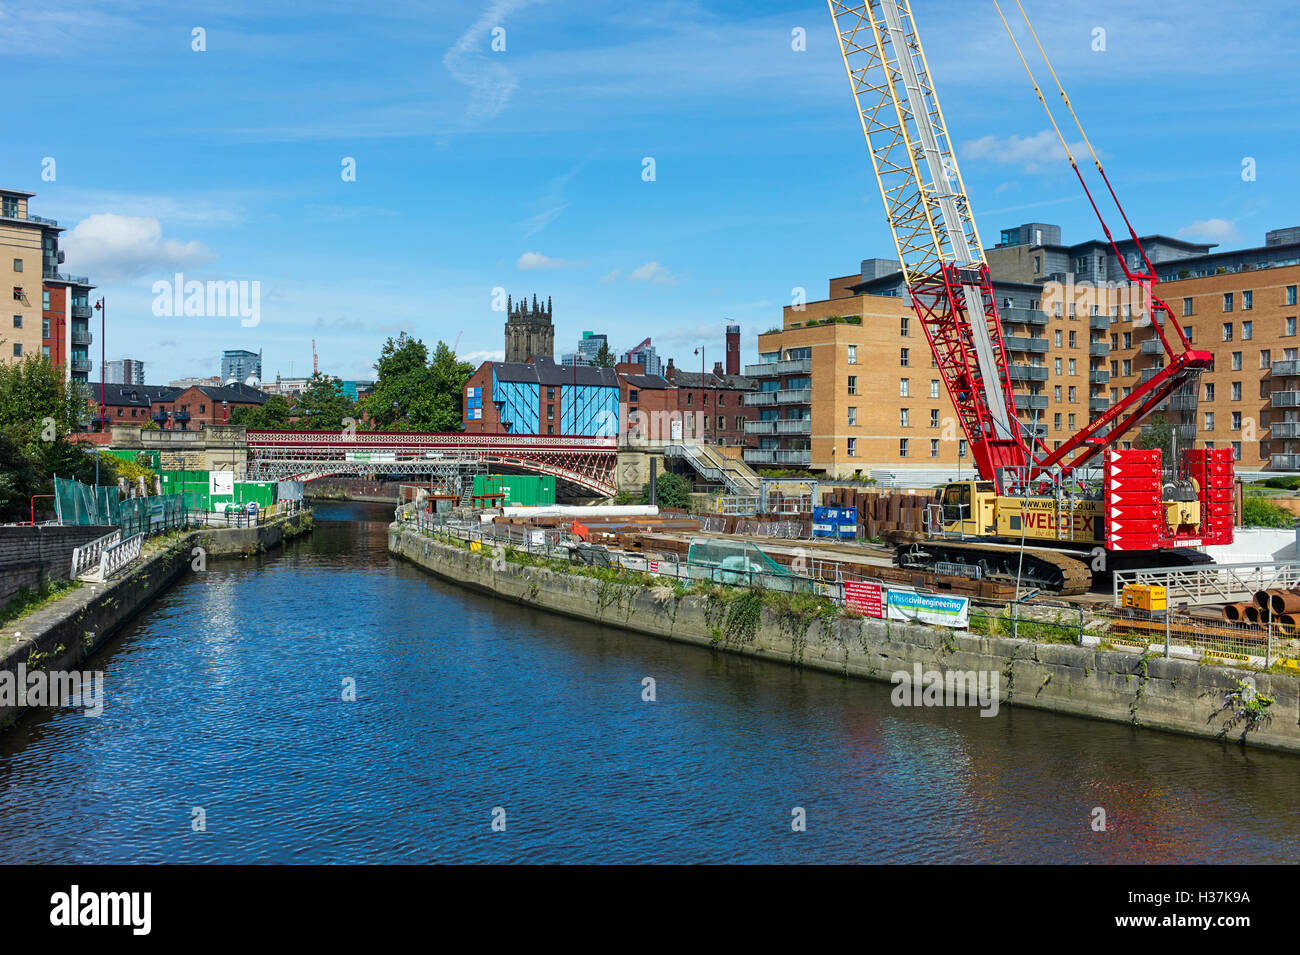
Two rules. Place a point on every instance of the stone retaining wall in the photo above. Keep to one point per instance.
(1149, 691)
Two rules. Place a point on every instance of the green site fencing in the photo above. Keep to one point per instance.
(81, 504)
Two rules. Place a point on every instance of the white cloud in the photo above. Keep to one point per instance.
(535, 260)
(470, 61)
(477, 358)
(1032, 153)
(112, 247)
(1210, 230)
(609, 277)
(652, 272)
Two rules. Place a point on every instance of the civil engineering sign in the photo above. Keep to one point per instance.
(928, 608)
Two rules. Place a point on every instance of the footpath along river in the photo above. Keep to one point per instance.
(226, 696)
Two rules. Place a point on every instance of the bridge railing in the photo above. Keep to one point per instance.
(420, 440)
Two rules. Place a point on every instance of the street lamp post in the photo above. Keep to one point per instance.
(103, 325)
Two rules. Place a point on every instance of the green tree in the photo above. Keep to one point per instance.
(422, 394)
(1158, 435)
(604, 357)
(323, 405)
(272, 415)
(671, 490)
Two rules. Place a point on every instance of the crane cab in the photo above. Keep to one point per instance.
(968, 507)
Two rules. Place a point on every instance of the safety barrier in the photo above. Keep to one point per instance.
(87, 555)
(113, 560)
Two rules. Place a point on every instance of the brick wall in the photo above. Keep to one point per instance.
(46, 547)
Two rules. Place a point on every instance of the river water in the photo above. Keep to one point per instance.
(224, 703)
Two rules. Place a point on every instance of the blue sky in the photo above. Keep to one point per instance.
(522, 169)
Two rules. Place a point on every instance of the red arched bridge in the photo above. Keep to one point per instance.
(587, 462)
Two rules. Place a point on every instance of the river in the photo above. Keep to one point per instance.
(224, 704)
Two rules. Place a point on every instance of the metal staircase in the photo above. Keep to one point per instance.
(713, 466)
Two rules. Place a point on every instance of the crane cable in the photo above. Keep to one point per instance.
(1039, 92)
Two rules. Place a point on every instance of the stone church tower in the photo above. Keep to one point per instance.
(529, 332)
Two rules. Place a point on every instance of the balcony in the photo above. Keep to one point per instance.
(57, 276)
(1183, 403)
(1034, 431)
(1185, 432)
(1097, 349)
(1028, 373)
(1031, 402)
(1099, 321)
(1019, 343)
(797, 396)
(768, 456)
(1284, 429)
(786, 426)
(1285, 462)
(1286, 367)
(1148, 374)
(1098, 377)
(80, 365)
(1098, 404)
(1285, 399)
(760, 398)
(771, 369)
(82, 311)
(1030, 316)
(1152, 346)
(81, 337)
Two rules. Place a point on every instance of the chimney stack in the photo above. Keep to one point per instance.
(733, 349)
(670, 372)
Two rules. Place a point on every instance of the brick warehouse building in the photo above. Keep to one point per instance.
(541, 397)
(848, 384)
(172, 408)
(692, 406)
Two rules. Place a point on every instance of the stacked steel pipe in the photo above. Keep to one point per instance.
(1280, 606)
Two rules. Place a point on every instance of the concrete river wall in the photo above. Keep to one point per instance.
(1176, 695)
(65, 633)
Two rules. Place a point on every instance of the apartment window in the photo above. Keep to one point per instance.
(1236, 391)
(902, 357)
(903, 326)
(1074, 336)
(853, 354)
(633, 396)
(722, 400)
(550, 393)
(18, 350)
(1227, 303)
(1056, 421)
(1072, 389)
(1247, 330)
(1056, 364)
(1114, 368)
(550, 429)
(853, 416)
(1227, 331)
(1070, 422)
(1209, 391)
(1114, 340)
(904, 387)
(550, 412)
(934, 447)
(1236, 361)
(45, 300)
(853, 447)
(1056, 338)
(853, 384)
(1209, 421)
(1236, 421)
(934, 387)
(740, 423)
(690, 397)
(904, 418)
(902, 447)
(18, 321)
(1072, 371)
(1290, 326)
(1265, 358)
(18, 293)
(1247, 301)
(1187, 306)
(934, 417)
(18, 265)
(722, 422)
(1290, 295)
(45, 328)
(1236, 450)
(1128, 339)
(1056, 393)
